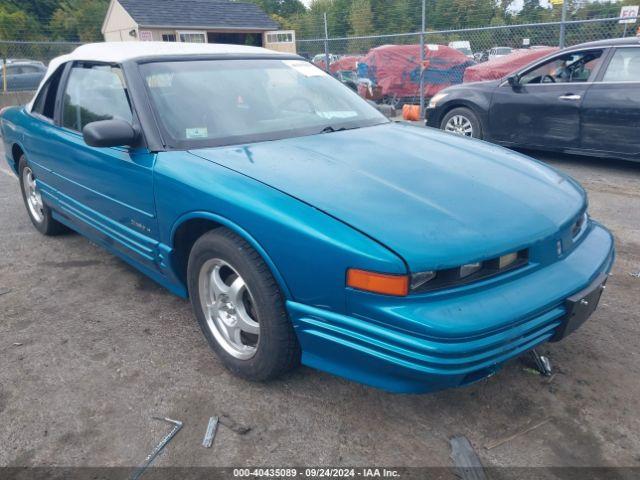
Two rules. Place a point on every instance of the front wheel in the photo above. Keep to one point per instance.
(240, 308)
(462, 121)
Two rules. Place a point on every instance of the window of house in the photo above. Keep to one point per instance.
(280, 37)
(568, 68)
(94, 93)
(193, 37)
(624, 66)
(45, 103)
(168, 37)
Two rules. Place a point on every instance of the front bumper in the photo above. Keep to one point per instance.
(432, 117)
(425, 344)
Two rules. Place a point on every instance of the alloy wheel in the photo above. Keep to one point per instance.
(460, 125)
(229, 308)
(34, 199)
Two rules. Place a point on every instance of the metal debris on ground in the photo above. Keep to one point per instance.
(4, 290)
(17, 344)
(177, 425)
(543, 364)
(212, 428)
(466, 460)
(635, 274)
(526, 430)
(234, 426)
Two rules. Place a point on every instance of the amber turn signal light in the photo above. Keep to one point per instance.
(378, 282)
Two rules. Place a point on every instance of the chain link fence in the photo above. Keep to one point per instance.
(24, 63)
(391, 68)
(406, 74)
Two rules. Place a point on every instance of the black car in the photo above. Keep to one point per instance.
(584, 99)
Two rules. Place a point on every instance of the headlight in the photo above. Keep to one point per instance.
(419, 282)
(420, 278)
(435, 99)
(467, 273)
(469, 269)
(580, 225)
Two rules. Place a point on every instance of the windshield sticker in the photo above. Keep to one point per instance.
(337, 114)
(198, 132)
(305, 68)
(160, 80)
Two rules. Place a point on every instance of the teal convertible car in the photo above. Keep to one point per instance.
(304, 225)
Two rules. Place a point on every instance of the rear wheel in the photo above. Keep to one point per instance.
(240, 308)
(462, 121)
(39, 212)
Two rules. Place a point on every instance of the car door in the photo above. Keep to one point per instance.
(107, 192)
(542, 109)
(611, 108)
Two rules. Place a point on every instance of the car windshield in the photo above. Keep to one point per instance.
(224, 102)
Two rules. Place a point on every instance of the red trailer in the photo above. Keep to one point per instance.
(502, 66)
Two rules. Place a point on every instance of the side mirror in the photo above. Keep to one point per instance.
(514, 81)
(109, 133)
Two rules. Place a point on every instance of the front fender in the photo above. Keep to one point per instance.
(476, 99)
(308, 250)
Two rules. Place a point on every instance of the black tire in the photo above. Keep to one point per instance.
(469, 115)
(46, 224)
(277, 349)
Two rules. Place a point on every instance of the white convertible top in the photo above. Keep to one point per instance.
(117, 52)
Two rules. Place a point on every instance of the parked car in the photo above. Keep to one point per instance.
(583, 99)
(463, 46)
(497, 52)
(320, 60)
(26, 60)
(23, 74)
(303, 225)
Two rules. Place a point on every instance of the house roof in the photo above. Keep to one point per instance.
(203, 14)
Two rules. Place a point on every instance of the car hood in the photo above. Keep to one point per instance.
(435, 199)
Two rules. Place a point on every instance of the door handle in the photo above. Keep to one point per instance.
(570, 97)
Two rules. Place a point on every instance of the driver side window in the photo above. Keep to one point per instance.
(568, 68)
(95, 92)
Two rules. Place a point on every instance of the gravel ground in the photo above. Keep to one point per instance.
(91, 350)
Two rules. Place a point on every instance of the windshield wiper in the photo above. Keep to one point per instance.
(330, 129)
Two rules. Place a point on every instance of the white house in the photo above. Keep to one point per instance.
(201, 21)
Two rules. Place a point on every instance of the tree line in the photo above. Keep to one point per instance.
(81, 20)
(375, 17)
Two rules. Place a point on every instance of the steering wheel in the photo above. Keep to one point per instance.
(289, 102)
(548, 79)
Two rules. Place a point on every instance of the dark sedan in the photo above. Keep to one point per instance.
(584, 99)
(23, 74)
